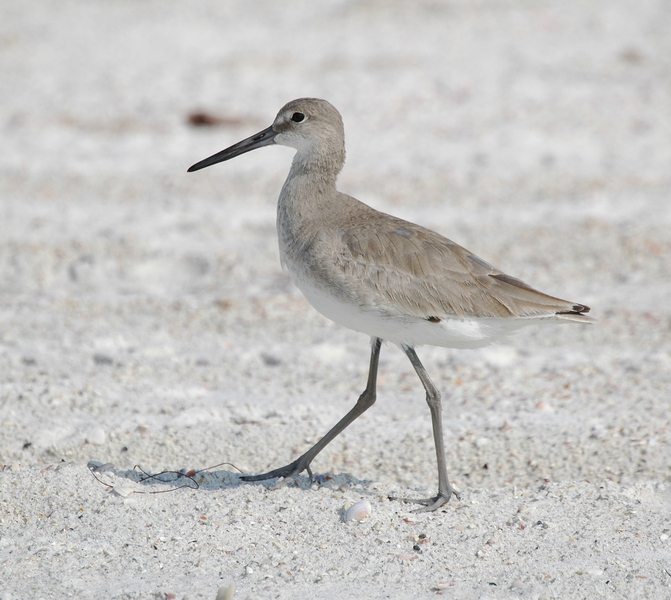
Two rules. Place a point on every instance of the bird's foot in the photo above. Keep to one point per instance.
(287, 474)
(431, 504)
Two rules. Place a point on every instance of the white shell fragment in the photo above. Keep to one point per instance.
(226, 593)
(359, 511)
(98, 467)
(123, 490)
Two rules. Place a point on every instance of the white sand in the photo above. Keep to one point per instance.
(144, 318)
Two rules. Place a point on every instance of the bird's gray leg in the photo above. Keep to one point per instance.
(291, 471)
(445, 489)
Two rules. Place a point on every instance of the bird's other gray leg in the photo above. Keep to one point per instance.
(291, 471)
(445, 489)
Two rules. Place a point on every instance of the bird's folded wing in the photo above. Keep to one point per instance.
(404, 268)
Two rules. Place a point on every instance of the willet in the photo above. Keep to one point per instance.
(381, 275)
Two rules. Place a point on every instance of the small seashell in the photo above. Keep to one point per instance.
(359, 511)
(96, 436)
(442, 585)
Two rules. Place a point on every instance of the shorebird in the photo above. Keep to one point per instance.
(381, 275)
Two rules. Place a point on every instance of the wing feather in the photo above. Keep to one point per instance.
(404, 268)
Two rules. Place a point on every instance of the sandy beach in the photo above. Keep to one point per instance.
(146, 325)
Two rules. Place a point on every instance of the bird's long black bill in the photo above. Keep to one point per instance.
(263, 138)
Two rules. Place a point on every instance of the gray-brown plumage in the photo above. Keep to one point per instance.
(381, 275)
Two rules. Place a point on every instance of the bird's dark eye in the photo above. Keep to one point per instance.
(297, 117)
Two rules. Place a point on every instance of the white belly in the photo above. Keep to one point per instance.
(410, 330)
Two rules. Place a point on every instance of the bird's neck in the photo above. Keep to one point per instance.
(319, 167)
(308, 194)
(310, 183)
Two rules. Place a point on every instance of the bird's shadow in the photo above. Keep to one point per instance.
(149, 482)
